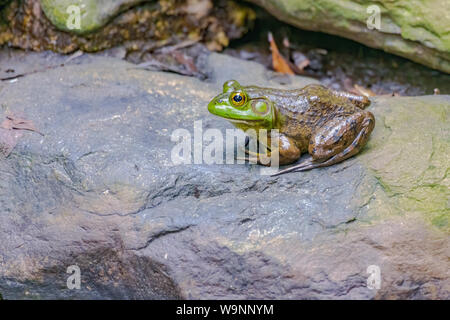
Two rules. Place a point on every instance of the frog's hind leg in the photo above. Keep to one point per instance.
(336, 141)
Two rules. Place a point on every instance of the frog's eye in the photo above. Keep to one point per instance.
(238, 99)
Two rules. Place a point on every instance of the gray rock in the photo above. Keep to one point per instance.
(99, 191)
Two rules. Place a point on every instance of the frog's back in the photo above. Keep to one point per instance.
(301, 111)
(312, 101)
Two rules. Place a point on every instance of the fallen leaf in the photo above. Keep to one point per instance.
(184, 58)
(11, 131)
(8, 140)
(14, 123)
(364, 91)
(279, 63)
(186, 61)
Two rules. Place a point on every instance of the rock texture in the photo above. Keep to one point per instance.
(43, 25)
(417, 30)
(99, 190)
(93, 14)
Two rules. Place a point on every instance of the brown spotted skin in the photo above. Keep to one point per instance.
(330, 125)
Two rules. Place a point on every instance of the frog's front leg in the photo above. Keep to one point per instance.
(288, 152)
(337, 140)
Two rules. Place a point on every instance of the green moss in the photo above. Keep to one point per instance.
(411, 165)
(432, 27)
(416, 29)
(441, 221)
(93, 13)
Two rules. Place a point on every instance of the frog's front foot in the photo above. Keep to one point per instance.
(276, 152)
(337, 140)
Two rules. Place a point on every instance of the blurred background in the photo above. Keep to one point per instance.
(367, 47)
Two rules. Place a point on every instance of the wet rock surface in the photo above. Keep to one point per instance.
(99, 190)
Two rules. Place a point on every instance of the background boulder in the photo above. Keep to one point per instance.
(417, 29)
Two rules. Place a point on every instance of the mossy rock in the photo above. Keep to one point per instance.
(407, 156)
(136, 24)
(414, 29)
(93, 14)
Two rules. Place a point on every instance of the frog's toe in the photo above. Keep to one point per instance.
(303, 166)
(249, 159)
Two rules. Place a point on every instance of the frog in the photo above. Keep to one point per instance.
(330, 125)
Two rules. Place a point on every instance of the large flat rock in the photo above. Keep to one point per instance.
(99, 190)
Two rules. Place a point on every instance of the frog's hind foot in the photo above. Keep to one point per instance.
(304, 166)
(309, 165)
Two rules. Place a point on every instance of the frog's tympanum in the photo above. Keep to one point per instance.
(330, 125)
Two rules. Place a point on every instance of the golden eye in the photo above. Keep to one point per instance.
(238, 99)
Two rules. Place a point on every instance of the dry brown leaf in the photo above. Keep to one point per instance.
(357, 89)
(8, 140)
(279, 63)
(10, 132)
(15, 123)
(183, 59)
(364, 91)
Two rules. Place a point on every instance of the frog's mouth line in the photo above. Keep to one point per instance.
(244, 121)
(253, 121)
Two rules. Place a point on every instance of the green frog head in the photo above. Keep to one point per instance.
(243, 106)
